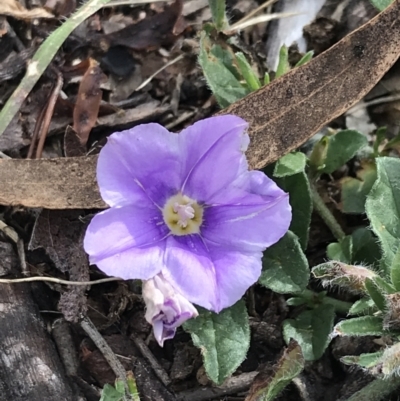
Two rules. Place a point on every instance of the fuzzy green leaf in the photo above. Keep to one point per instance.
(289, 366)
(283, 62)
(285, 267)
(305, 59)
(364, 306)
(249, 75)
(217, 8)
(298, 187)
(341, 148)
(355, 190)
(223, 339)
(360, 326)
(375, 293)
(364, 360)
(383, 208)
(217, 65)
(290, 164)
(381, 4)
(110, 393)
(311, 329)
(395, 271)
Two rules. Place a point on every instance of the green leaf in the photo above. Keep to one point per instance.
(383, 208)
(381, 4)
(223, 339)
(364, 360)
(341, 251)
(365, 248)
(290, 164)
(395, 270)
(248, 74)
(360, 247)
(341, 148)
(283, 62)
(305, 59)
(285, 267)
(217, 8)
(380, 136)
(298, 187)
(360, 326)
(311, 329)
(289, 366)
(364, 306)
(217, 65)
(375, 293)
(110, 393)
(354, 191)
(267, 78)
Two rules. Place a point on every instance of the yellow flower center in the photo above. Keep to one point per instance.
(183, 215)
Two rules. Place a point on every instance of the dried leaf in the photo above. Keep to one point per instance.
(282, 116)
(14, 9)
(150, 33)
(63, 183)
(88, 101)
(60, 233)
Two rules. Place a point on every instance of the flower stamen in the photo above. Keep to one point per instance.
(183, 215)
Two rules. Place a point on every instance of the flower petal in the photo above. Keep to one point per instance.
(214, 155)
(253, 220)
(189, 269)
(235, 273)
(127, 241)
(139, 165)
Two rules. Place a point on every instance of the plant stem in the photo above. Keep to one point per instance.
(341, 307)
(326, 214)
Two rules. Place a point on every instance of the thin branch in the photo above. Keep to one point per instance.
(58, 280)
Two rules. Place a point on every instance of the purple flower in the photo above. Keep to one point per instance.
(166, 309)
(185, 205)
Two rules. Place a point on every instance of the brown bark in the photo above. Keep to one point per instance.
(30, 368)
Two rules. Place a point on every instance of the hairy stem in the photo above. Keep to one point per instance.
(326, 214)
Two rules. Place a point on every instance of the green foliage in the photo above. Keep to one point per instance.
(285, 267)
(364, 360)
(355, 190)
(383, 208)
(289, 366)
(217, 8)
(375, 293)
(360, 326)
(217, 64)
(223, 338)
(395, 271)
(364, 306)
(117, 393)
(289, 173)
(337, 150)
(381, 4)
(311, 329)
(248, 74)
(290, 164)
(305, 59)
(360, 247)
(283, 62)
